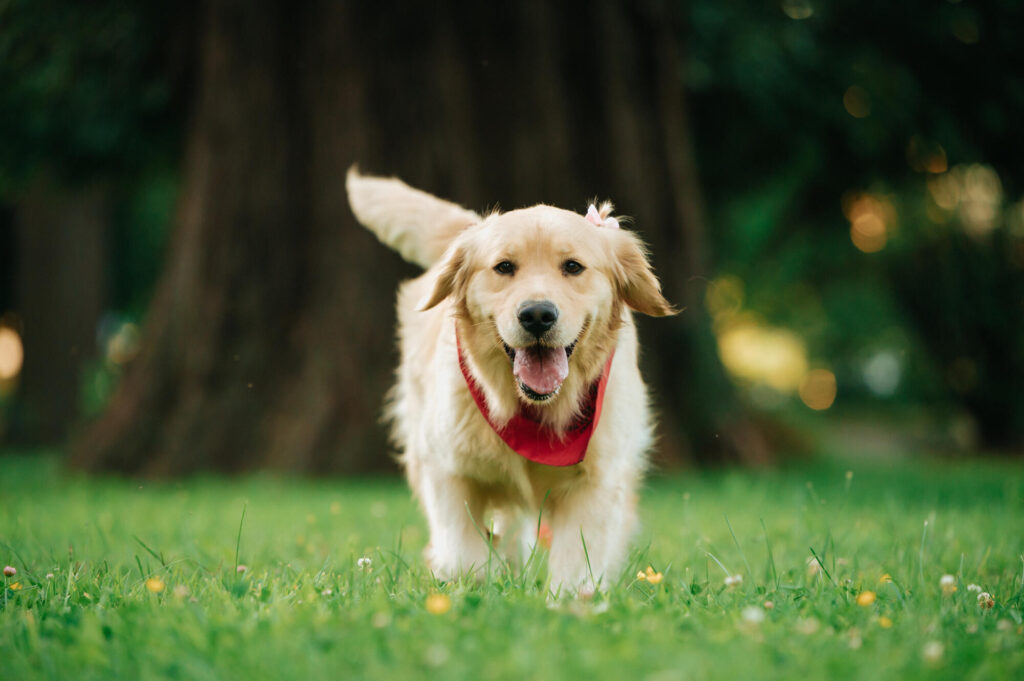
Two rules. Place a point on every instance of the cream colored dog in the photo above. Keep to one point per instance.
(509, 341)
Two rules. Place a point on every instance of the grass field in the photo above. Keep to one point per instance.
(138, 580)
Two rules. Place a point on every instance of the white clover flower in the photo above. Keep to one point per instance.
(807, 626)
(364, 563)
(948, 584)
(813, 567)
(733, 581)
(932, 651)
(974, 588)
(985, 600)
(753, 615)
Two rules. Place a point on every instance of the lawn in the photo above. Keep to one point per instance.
(138, 580)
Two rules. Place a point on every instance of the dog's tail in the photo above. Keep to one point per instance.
(416, 224)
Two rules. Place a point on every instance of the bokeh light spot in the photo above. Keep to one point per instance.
(945, 191)
(980, 200)
(870, 219)
(975, 193)
(818, 389)
(763, 355)
(926, 157)
(857, 102)
(882, 372)
(12, 353)
(124, 344)
(797, 9)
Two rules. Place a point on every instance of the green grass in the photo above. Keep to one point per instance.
(303, 609)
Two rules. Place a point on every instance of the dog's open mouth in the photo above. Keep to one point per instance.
(540, 369)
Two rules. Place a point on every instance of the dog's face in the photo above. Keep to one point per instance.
(543, 288)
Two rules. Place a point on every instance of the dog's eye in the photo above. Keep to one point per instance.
(572, 267)
(505, 267)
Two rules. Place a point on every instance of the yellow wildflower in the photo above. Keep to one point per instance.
(155, 584)
(865, 598)
(15, 587)
(885, 579)
(640, 576)
(884, 622)
(652, 576)
(438, 604)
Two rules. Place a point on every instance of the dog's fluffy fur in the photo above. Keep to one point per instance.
(457, 466)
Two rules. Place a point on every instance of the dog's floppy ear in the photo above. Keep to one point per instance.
(635, 281)
(452, 275)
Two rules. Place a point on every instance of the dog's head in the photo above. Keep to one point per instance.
(540, 293)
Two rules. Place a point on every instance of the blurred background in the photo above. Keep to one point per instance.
(832, 191)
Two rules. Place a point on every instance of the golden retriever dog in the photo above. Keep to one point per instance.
(518, 386)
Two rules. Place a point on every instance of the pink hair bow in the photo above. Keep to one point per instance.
(594, 217)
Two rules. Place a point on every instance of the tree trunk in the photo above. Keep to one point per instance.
(270, 339)
(60, 291)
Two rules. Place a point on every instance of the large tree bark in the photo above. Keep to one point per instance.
(61, 258)
(269, 342)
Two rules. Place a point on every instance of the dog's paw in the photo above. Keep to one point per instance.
(449, 567)
(581, 587)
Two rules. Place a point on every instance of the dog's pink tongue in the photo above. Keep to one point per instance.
(541, 369)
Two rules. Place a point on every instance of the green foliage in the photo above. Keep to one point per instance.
(800, 107)
(88, 90)
(304, 608)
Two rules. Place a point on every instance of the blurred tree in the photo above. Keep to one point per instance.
(269, 341)
(84, 114)
(804, 105)
(58, 312)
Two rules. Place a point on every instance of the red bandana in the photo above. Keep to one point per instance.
(535, 442)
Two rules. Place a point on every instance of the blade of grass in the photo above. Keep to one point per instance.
(920, 555)
(750, 573)
(586, 554)
(488, 539)
(238, 540)
(159, 557)
(724, 569)
(771, 557)
(823, 568)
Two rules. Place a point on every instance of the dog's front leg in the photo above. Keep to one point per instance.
(454, 508)
(591, 527)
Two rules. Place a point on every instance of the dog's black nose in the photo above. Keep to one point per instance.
(537, 317)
